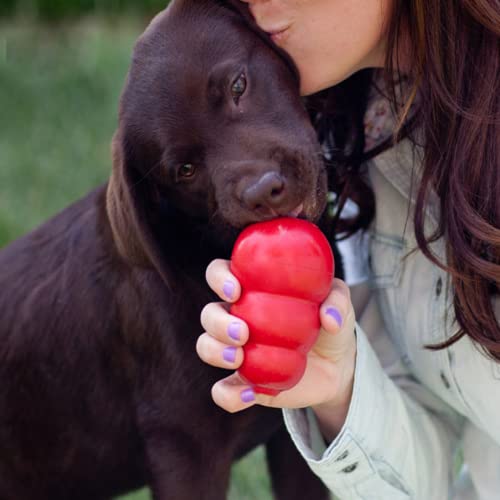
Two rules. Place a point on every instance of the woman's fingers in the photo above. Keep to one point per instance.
(233, 394)
(219, 354)
(329, 370)
(318, 384)
(336, 307)
(224, 335)
(222, 281)
(337, 321)
(228, 329)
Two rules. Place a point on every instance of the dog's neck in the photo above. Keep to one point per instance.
(205, 241)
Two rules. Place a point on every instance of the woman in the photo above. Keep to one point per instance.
(387, 397)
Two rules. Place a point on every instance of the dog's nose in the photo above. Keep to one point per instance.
(269, 191)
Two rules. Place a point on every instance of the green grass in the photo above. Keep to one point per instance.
(58, 9)
(59, 89)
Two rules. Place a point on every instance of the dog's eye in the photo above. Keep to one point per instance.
(187, 170)
(238, 88)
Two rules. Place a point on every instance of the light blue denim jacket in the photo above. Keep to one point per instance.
(411, 407)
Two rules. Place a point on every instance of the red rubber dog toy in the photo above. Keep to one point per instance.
(285, 267)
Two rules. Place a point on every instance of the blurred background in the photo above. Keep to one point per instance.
(62, 67)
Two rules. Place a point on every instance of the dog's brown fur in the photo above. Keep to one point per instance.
(101, 390)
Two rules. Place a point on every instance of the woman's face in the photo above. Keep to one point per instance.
(329, 40)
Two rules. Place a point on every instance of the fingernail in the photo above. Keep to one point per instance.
(228, 289)
(233, 330)
(229, 354)
(335, 314)
(247, 395)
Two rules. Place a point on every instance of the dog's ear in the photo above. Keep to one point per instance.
(129, 201)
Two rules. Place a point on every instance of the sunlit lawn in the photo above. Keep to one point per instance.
(59, 88)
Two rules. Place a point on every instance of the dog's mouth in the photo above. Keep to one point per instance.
(268, 213)
(296, 212)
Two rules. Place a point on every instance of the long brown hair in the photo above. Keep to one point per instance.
(454, 49)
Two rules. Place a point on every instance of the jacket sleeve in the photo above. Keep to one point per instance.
(398, 440)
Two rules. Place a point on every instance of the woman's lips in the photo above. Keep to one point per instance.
(278, 34)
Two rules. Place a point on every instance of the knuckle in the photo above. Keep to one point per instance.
(211, 351)
(205, 315)
(341, 287)
(209, 318)
(232, 407)
(207, 348)
(200, 346)
(340, 298)
(222, 281)
(213, 318)
(210, 272)
(213, 272)
(342, 304)
(223, 399)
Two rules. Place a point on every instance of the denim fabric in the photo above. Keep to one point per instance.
(412, 408)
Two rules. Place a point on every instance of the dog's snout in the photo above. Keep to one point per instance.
(268, 192)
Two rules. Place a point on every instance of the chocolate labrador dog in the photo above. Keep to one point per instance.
(101, 390)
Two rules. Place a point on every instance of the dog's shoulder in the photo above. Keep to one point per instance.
(69, 257)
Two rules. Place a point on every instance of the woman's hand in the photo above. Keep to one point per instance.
(327, 381)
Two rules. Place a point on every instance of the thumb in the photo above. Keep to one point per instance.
(336, 336)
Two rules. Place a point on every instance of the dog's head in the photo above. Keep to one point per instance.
(211, 123)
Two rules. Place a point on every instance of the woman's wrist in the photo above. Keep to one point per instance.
(331, 415)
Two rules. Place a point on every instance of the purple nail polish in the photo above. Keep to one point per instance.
(247, 395)
(228, 289)
(335, 314)
(233, 330)
(229, 354)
